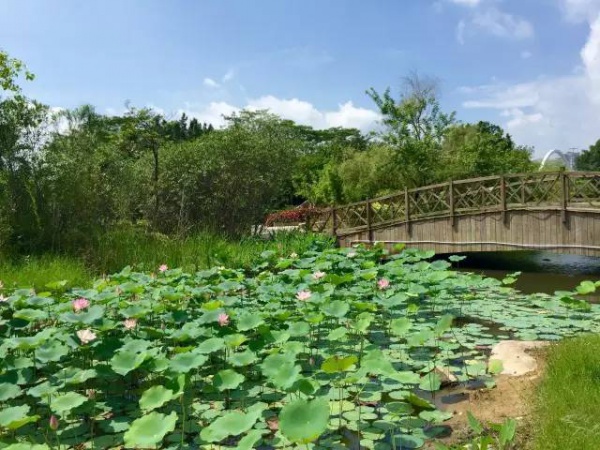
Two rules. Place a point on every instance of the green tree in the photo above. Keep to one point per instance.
(589, 160)
(414, 127)
(228, 180)
(10, 71)
(21, 137)
(481, 149)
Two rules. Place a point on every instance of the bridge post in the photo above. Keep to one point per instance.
(451, 202)
(333, 222)
(564, 203)
(503, 199)
(370, 221)
(407, 211)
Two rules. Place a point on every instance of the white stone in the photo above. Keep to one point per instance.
(516, 361)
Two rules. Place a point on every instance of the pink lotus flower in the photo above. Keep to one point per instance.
(80, 303)
(86, 336)
(383, 283)
(130, 323)
(163, 268)
(318, 275)
(223, 319)
(53, 422)
(303, 295)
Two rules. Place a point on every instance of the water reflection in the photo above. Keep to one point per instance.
(541, 271)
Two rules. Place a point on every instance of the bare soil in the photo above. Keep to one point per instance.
(512, 397)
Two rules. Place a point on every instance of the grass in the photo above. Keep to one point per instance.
(568, 405)
(147, 251)
(36, 272)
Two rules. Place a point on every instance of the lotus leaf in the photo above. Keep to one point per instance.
(9, 391)
(155, 397)
(303, 421)
(66, 402)
(149, 430)
(227, 379)
(125, 361)
(184, 362)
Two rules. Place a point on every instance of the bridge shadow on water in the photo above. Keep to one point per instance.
(540, 271)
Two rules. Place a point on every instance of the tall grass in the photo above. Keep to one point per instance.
(568, 405)
(147, 251)
(37, 271)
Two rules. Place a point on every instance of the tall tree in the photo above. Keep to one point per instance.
(414, 127)
(590, 158)
(481, 149)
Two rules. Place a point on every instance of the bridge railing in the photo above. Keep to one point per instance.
(540, 190)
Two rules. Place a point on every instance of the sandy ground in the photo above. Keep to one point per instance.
(511, 398)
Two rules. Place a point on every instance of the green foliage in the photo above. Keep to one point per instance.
(368, 174)
(303, 421)
(10, 70)
(39, 272)
(415, 128)
(589, 159)
(481, 149)
(237, 358)
(500, 436)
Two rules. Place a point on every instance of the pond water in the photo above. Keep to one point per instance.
(541, 271)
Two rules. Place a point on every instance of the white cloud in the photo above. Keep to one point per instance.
(350, 116)
(302, 112)
(212, 113)
(501, 24)
(209, 82)
(294, 109)
(485, 17)
(557, 112)
(228, 76)
(580, 10)
(470, 3)
(590, 56)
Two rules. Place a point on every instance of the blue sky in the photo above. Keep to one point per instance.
(532, 66)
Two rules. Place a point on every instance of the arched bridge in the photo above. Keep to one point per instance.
(551, 211)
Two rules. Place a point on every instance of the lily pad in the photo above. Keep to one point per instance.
(149, 430)
(303, 421)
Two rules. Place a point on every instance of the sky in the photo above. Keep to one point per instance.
(531, 66)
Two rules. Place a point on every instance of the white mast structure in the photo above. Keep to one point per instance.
(567, 157)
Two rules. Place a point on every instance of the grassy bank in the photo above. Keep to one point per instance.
(147, 251)
(566, 415)
(37, 271)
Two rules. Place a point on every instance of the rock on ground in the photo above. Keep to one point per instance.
(516, 361)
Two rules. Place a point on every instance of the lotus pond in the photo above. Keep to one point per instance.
(323, 350)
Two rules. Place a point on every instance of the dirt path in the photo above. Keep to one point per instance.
(511, 398)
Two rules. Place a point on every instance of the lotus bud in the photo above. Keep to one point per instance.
(53, 423)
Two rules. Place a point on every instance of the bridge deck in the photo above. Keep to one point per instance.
(556, 211)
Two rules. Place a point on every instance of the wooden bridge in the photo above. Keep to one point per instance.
(551, 211)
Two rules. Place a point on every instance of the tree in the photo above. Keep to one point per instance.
(229, 179)
(589, 160)
(414, 127)
(10, 70)
(481, 149)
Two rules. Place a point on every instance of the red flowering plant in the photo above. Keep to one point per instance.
(301, 214)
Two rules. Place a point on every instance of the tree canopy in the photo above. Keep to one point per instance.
(67, 177)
